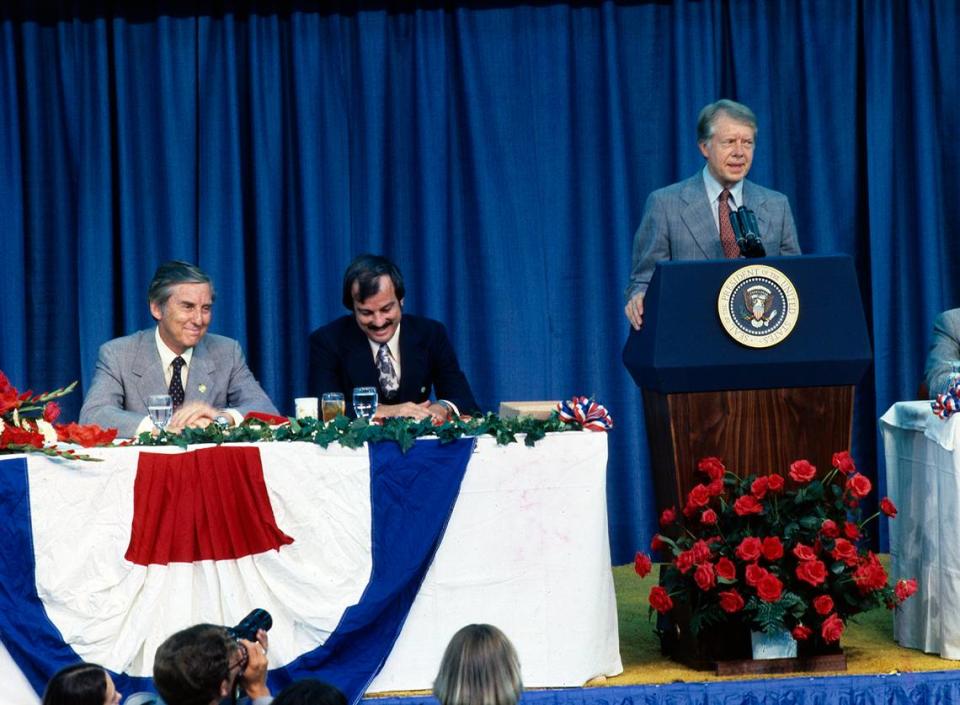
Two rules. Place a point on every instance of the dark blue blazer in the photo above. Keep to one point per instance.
(340, 359)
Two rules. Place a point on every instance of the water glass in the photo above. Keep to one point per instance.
(364, 402)
(332, 405)
(160, 408)
(305, 407)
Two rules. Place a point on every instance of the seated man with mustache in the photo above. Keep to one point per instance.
(372, 349)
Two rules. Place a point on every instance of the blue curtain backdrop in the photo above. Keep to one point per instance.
(500, 154)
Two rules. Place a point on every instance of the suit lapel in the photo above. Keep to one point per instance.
(358, 360)
(148, 367)
(412, 361)
(698, 217)
(199, 384)
(755, 199)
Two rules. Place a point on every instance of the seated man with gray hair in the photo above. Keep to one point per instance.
(206, 375)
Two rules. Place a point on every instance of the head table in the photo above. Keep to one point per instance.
(368, 559)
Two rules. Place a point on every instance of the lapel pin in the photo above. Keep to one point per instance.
(202, 389)
(423, 389)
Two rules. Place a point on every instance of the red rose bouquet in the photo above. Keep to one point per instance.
(27, 424)
(775, 553)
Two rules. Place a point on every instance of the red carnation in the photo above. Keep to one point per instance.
(813, 572)
(731, 601)
(801, 632)
(870, 575)
(905, 588)
(749, 549)
(705, 576)
(802, 471)
(829, 529)
(726, 570)
(851, 530)
(709, 517)
(769, 588)
(754, 574)
(888, 507)
(845, 551)
(832, 628)
(14, 435)
(804, 553)
(775, 483)
(668, 516)
(747, 504)
(712, 467)
(823, 604)
(660, 600)
(859, 486)
(843, 462)
(642, 564)
(758, 488)
(772, 548)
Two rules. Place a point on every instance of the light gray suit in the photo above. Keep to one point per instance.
(678, 224)
(944, 351)
(129, 370)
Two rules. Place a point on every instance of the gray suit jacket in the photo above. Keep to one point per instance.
(129, 370)
(678, 224)
(944, 351)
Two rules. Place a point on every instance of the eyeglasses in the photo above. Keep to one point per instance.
(241, 666)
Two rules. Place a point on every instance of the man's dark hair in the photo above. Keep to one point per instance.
(79, 684)
(366, 271)
(174, 272)
(310, 691)
(190, 665)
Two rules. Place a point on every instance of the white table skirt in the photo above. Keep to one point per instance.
(526, 549)
(923, 480)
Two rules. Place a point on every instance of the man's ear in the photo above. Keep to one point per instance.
(224, 688)
(156, 310)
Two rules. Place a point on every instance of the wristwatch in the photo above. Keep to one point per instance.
(222, 421)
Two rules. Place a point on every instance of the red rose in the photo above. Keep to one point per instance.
(708, 517)
(851, 530)
(813, 572)
(747, 504)
(843, 462)
(802, 471)
(801, 632)
(888, 507)
(726, 570)
(660, 600)
(754, 574)
(905, 588)
(642, 564)
(684, 561)
(698, 497)
(701, 551)
(749, 549)
(829, 529)
(715, 488)
(870, 575)
(823, 604)
(804, 553)
(759, 487)
(832, 628)
(712, 467)
(775, 483)
(769, 588)
(845, 551)
(51, 412)
(705, 576)
(859, 486)
(656, 543)
(772, 548)
(731, 601)
(668, 516)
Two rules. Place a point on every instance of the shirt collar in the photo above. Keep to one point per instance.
(167, 356)
(714, 189)
(393, 345)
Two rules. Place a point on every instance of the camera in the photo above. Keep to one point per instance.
(251, 624)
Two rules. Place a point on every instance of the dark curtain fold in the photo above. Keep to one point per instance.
(501, 155)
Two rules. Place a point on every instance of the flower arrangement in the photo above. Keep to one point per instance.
(28, 424)
(774, 553)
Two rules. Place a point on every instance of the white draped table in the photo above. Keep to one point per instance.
(923, 480)
(526, 549)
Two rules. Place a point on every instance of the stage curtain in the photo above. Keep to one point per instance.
(501, 154)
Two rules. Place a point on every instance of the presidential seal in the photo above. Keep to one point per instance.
(758, 306)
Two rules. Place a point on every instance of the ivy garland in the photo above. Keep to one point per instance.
(353, 433)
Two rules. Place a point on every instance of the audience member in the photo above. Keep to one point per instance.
(81, 684)
(310, 691)
(944, 352)
(479, 667)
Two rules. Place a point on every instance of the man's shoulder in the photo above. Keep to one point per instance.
(686, 187)
(754, 192)
(336, 328)
(218, 343)
(421, 325)
(126, 343)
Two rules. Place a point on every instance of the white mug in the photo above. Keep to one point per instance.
(305, 407)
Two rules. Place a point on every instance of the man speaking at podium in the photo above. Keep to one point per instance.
(690, 220)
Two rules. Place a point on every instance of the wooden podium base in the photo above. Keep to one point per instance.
(752, 431)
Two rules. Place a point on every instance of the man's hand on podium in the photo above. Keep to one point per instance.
(634, 311)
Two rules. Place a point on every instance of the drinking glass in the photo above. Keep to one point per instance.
(305, 407)
(365, 402)
(160, 408)
(332, 405)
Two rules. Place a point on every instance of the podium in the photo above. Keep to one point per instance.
(757, 408)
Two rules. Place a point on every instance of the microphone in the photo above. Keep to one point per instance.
(747, 233)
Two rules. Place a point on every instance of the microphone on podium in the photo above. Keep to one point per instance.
(747, 233)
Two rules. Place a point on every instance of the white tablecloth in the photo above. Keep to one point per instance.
(923, 480)
(526, 549)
